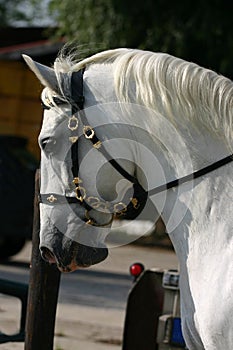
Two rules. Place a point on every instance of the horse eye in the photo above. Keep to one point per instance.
(47, 142)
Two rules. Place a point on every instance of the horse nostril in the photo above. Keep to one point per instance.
(47, 255)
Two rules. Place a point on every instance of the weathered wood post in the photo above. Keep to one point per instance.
(43, 292)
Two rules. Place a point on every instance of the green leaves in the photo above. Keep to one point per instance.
(23, 13)
(199, 31)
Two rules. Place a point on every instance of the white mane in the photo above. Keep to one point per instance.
(169, 85)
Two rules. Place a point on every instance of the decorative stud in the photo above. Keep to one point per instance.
(88, 132)
(135, 203)
(51, 199)
(97, 145)
(120, 208)
(92, 222)
(77, 180)
(73, 123)
(80, 193)
(73, 139)
(96, 203)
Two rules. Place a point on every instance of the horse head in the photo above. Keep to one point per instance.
(82, 186)
(70, 235)
(177, 151)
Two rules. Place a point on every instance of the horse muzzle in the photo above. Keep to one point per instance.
(73, 257)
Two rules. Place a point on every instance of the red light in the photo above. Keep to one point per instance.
(136, 269)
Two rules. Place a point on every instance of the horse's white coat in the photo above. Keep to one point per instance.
(197, 105)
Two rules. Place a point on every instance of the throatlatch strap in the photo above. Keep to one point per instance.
(194, 175)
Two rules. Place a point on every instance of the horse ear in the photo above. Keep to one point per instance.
(45, 74)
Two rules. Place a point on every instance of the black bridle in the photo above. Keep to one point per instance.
(129, 207)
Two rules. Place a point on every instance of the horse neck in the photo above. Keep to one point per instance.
(197, 147)
(198, 214)
(203, 145)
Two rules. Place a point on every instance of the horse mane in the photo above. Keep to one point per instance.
(171, 86)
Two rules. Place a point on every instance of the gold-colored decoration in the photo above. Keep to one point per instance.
(77, 180)
(88, 132)
(51, 199)
(73, 139)
(92, 222)
(79, 190)
(80, 193)
(94, 202)
(120, 208)
(135, 203)
(73, 123)
(103, 206)
(89, 221)
(97, 145)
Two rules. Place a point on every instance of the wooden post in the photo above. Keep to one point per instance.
(43, 292)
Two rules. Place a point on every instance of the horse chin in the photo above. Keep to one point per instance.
(49, 257)
(71, 268)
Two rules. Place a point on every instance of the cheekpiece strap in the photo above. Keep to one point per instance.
(77, 96)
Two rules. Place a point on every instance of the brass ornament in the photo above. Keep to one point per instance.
(77, 180)
(73, 123)
(135, 203)
(51, 199)
(88, 132)
(73, 139)
(120, 208)
(80, 193)
(90, 221)
(97, 145)
(96, 203)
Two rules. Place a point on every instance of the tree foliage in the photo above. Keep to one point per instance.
(8, 12)
(20, 12)
(200, 31)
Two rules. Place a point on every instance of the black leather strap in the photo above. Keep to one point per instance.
(77, 97)
(190, 177)
(77, 102)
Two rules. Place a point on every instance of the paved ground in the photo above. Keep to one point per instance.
(91, 307)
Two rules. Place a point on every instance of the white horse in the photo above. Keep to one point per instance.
(161, 119)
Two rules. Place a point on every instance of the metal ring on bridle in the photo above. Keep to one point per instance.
(73, 123)
(120, 208)
(96, 203)
(88, 132)
(80, 193)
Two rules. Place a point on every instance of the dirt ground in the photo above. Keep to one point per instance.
(87, 327)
